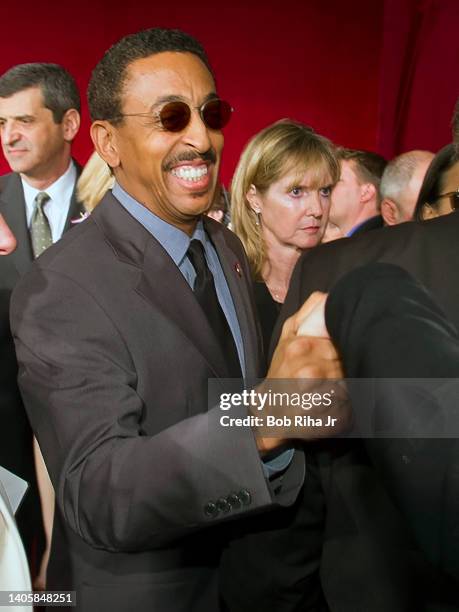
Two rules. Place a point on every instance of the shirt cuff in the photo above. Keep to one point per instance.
(278, 464)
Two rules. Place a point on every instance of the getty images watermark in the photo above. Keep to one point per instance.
(274, 401)
(422, 408)
(282, 408)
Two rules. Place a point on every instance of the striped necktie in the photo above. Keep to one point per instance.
(40, 230)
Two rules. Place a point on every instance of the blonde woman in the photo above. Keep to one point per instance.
(280, 203)
(95, 180)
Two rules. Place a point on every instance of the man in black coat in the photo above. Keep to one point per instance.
(363, 502)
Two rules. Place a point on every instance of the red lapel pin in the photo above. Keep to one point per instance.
(238, 269)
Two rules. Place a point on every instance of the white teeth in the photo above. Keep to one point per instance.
(190, 173)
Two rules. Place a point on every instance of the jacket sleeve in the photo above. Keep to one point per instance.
(118, 488)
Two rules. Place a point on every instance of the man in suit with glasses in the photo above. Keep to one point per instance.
(116, 349)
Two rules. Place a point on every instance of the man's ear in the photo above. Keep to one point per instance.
(389, 212)
(70, 124)
(103, 135)
(428, 212)
(254, 199)
(367, 192)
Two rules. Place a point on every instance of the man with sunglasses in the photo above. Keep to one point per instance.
(118, 330)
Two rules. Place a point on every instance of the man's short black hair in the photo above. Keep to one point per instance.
(58, 87)
(108, 77)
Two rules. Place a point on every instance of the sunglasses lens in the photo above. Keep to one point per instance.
(175, 116)
(216, 114)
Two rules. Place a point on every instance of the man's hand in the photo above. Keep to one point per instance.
(304, 349)
(310, 318)
(300, 366)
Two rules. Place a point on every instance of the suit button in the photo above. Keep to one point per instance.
(233, 500)
(223, 505)
(245, 497)
(210, 510)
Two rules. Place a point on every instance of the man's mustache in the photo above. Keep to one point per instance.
(208, 156)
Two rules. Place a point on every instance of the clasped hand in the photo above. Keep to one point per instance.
(307, 397)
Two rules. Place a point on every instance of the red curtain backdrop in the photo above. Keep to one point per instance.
(380, 75)
(419, 80)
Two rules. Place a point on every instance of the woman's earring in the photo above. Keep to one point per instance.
(258, 216)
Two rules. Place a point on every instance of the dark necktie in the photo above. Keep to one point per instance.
(40, 230)
(206, 294)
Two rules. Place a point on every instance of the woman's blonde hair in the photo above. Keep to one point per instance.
(283, 147)
(95, 180)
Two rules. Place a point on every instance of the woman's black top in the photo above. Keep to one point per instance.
(268, 311)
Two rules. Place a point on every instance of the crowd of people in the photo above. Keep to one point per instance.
(127, 284)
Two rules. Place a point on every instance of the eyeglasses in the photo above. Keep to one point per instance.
(453, 198)
(175, 116)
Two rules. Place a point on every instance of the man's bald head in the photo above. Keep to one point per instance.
(400, 185)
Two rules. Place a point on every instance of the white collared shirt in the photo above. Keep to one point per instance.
(57, 207)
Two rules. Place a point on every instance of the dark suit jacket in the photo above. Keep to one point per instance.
(378, 553)
(372, 223)
(378, 519)
(15, 437)
(115, 354)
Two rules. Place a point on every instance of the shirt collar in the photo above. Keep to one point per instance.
(173, 240)
(64, 183)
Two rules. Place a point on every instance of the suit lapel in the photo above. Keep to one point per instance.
(161, 283)
(13, 210)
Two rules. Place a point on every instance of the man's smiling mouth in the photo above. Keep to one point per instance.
(190, 173)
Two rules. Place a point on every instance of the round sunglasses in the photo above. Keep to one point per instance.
(175, 116)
